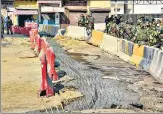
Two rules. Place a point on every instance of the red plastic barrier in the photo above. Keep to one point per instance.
(51, 64)
(31, 35)
(44, 45)
(14, 29)
(46, 84)
(32, 45)
(27, 29)
(33, 25)
(22, 30)
(38, 43)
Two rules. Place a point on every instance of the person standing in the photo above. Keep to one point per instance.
(2, 28)
(106, 20)
(92, 20)
(5, 23)
(106, 23)
(81, 21)
(9, 25)
(87, 21)
(88, 28)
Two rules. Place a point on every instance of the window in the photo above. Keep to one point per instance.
(118, 10)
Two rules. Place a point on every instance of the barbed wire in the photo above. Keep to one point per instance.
(97, 92)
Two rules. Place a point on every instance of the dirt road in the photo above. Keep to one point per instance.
(21, 78)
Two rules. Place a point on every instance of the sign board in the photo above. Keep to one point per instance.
(48, 9)
(25, 12)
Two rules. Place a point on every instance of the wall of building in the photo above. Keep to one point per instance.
(25, 3)
(98, 4)
(119, 7)
(4, 12)
(147, 9)
(15, 20)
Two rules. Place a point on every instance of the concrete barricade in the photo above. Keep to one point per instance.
(76, 32)
(123, 50)
(130, 48)
(97, 38)
(100, 26)
(137, 56)
(41, 28)
(156, 67)
(147, 57)
(48, 29)
(109, 44)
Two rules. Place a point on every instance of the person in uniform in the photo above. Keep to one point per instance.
(106, 20)
(2, 28)
(9, 25)
(81, 21)
(92, 21)
(88, 28)
(141, 35)
(87, 21)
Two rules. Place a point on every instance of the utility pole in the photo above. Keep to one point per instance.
(116, 8)
(39, 12)
(133, 7)
(126, 7)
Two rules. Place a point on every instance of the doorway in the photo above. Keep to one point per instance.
(23, 18)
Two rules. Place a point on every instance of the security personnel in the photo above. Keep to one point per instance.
(81, 21)
(141, 35)
(92, 21)
(87, 21)
(9, 25)
(2, 27)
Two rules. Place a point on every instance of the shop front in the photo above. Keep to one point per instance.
(51, 15)
(25, 15)
(25, 10)
(50, 12)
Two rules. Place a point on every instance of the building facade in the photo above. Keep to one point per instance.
(7, 8)
(146, 7)
(50, 11)
(99, 9)
(137, 7)
(73, 10)
(25, 10)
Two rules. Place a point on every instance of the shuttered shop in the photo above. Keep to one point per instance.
(99, 16)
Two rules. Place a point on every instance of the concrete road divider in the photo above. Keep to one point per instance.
(147, 57)
(97, 38)
(48, 30)
(137, 56)
(123, 50)
(100, 26)
(130, 48)
(109, 44)
(156, 67)
(76, 32)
